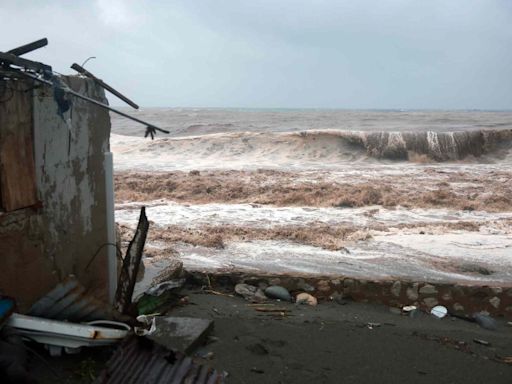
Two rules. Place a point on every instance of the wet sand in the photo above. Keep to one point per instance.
(334, 343)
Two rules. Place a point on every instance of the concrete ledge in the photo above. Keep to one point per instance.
(458, 298)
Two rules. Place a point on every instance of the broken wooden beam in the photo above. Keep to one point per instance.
(29, 47)
(131, 263)
(88, 74)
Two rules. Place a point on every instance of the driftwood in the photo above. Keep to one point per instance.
(131, 263)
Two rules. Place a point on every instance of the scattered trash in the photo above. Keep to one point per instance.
(408, 308)
(150, 325)
(373, 325)
(278, 292)
(509, 323)
(270, 309)
(71, 336)
(482, 342)
(485, 321)
(439, 311)
(158, 289)
(306, 298)
(257, 370)
(504, 359)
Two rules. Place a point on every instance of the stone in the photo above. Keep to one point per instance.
(430, 301)
(412, 292)
(509, 292)
(396, 288)
(278, 292)
(245, 290)
(336, 282)
(323, 286)
(458, 307)
(338, 298)
(495, 302)
(428, 289)
(497, 290)
(180, 333)
(508, 309)
(457, 291)
(446, 296)
(348, 283)
(485, 321)
(306, 298)
(303, 286)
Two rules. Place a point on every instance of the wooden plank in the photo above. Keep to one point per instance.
(17, 168)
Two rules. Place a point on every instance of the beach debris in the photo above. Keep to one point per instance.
(70, 301)
(306, 298)
(181, 334)
(278, 292)
(439, 311)
(130, 267)
(408, 308)
(149, 325)
(250, 292)
(485, 321)
(504, 359)
(482, 342)
(59, 335)
(158, 289)
(373, 325)
(140, 360)
(509, 323)
(257, 370)
(271, 309)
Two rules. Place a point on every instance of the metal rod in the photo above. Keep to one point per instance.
(85, 72)
(95, 102)
(29, 47)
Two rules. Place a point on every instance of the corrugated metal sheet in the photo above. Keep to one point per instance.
(70, 301)
(139, 360)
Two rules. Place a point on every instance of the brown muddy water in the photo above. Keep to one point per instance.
(370, 194)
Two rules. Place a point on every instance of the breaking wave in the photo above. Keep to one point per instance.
(330, 146)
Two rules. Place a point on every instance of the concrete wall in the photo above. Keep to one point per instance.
(39, 246)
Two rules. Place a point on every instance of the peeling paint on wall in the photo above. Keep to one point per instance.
(70, 227)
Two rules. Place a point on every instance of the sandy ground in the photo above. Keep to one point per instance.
(329, 343)
(334, 343)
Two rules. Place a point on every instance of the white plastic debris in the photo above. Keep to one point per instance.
(439, 311)
(57, 335)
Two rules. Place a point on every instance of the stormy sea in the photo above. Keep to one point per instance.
(369, 194)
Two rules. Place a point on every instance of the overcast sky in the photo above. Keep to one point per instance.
(280, 53)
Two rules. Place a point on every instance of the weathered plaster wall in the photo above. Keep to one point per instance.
(64, 234)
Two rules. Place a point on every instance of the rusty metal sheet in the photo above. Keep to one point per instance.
(70, 301)
(139, 360)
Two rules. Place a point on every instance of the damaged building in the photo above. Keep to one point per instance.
(56, 206)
